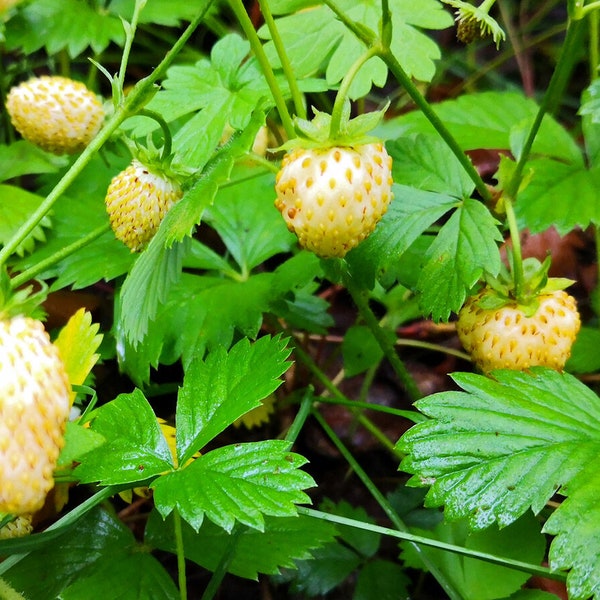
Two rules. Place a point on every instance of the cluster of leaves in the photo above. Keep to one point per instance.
(223, 272)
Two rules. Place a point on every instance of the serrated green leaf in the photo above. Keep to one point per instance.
(223, 387)
(504, 445)
(159, 266)
(409, 215)
(16, 205)
(71, 25)
(78, 441)
(425, 162)
(465, 247)
(135, 448)
(316, 41)
(23, 158)
(381, 580)
(245, 217)
(75, 216)
(134, 575)
(236, 483)
(218, 307)
(475, 579)
(58, 565)
(575, 523)
(560, 195)
(284, 540)
(360, 350)
(200, 100)
(486, 120)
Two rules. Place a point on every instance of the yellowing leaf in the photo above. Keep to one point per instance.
(77, 343)
(259, 415)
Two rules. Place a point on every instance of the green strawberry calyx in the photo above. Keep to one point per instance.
(23, 301)
(500, 290)
(316, 133)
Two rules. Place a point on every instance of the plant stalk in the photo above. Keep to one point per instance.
(221, 570)
(180, 551)
(361, 299)
(42, 265)
(244, 20)
(286, 65)
(423, 541)
(342, 94)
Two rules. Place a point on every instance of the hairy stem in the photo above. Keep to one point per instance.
(336, 126)
(244, 20)
(424, 541)
(286, 65)
(180, 551)
(387, 344)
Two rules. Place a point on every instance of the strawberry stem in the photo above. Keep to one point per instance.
(384, 340)
(129, 36)
(244, 20)
(181, 576)
(167, 139)
(42, 265)
(517, 253)
(337, 125)
(284, 59)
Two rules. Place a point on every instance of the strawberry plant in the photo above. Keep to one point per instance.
(298, 299)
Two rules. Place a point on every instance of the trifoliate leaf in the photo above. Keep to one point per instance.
(135, 448)
(207, 97)
(426, 163)
(71, 25)
(77, 343)
(16, 205)
(503, 445)
(24, 158)
(236, 483)
(408, 216)
(555, 186)
(220, 389)
(465, 247)
(314, 33)
(284, 540)
(575, 525)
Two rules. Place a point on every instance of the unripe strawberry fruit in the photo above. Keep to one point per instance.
(56, 113)
(137, 201)
(332, 198)
(506, 338)
(34, 409)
